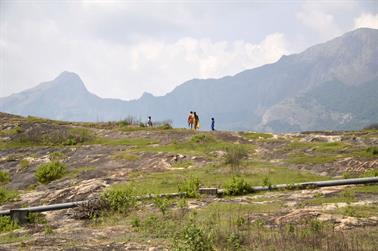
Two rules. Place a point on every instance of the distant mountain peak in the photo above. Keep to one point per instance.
(331, 86)
(147, 95)
(69, 79)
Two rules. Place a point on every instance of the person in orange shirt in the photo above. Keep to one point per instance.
(190, 120)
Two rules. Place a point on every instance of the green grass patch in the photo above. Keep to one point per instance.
(48, 172)
(303, 158)
(253, 173)
(10, 132)
(257, 135)
(24, 164)
(182, 164)
(238, 186)
(7, 224)
(79, 170)
(363, 189)
(4, 177)
(125, 156)
(7, 195)
(120, 197)
(346, 196)
(358, 211)
(136, 142)
(200, 144)
(56, 156)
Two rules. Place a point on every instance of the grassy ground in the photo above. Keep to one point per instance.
(128, 157)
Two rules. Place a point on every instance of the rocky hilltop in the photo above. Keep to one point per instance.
(48, 161)
(331, 86)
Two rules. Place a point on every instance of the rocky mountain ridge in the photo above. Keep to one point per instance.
(276, 97)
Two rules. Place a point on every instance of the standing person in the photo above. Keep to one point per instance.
(190, 120)
(212, 124)
(196, 121)
(149, 122)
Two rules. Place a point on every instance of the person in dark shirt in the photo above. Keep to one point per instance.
(149, 122)
(212, 124)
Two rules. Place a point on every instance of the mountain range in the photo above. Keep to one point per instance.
(330, 86)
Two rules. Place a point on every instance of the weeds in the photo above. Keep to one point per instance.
(190, 186)
(7, 224)
(234, 155)
(372, 150)
(119, 198)
(268, 183)
(163, 204)
(238, 186)
(48, 172)
(24, 164)
(36, 218)
(193, 238)
(7, 195)
(4, 177)
(202, 138)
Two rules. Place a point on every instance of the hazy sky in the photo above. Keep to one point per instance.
(123, 48)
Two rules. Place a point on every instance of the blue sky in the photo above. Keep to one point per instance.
(124, 48)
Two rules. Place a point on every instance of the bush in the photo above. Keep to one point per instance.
(268, 183)
(119, 198)
(24, 163)
(162, 204)
(190, 187)
(7, 195)
(371, 173)
(50, 171)
(78, 135)
(234, 155)
(238, 186)
(193, 238)
(372, 150)
(4, 177)
(7, 224)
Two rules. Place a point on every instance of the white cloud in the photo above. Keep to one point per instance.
(38, 48)
(366, 20)
(320, 18)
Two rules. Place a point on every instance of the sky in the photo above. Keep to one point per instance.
(121, 49)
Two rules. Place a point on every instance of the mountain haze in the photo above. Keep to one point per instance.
(333, 85)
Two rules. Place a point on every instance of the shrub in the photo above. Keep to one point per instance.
(234, 241)
(234, 155)
(267, 183)
(372, 150)
(36, 218)
(119, 198)
(24, 163)
(135, 222)
(7, 195)
(7, 224)
(162, 204)
(193, 238)
(238, 186)
(4, 177)
(371, 173)
(190, 186)
(56, 156)
(77, 136)
(48, 172)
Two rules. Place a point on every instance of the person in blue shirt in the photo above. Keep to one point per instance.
(212, 124)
